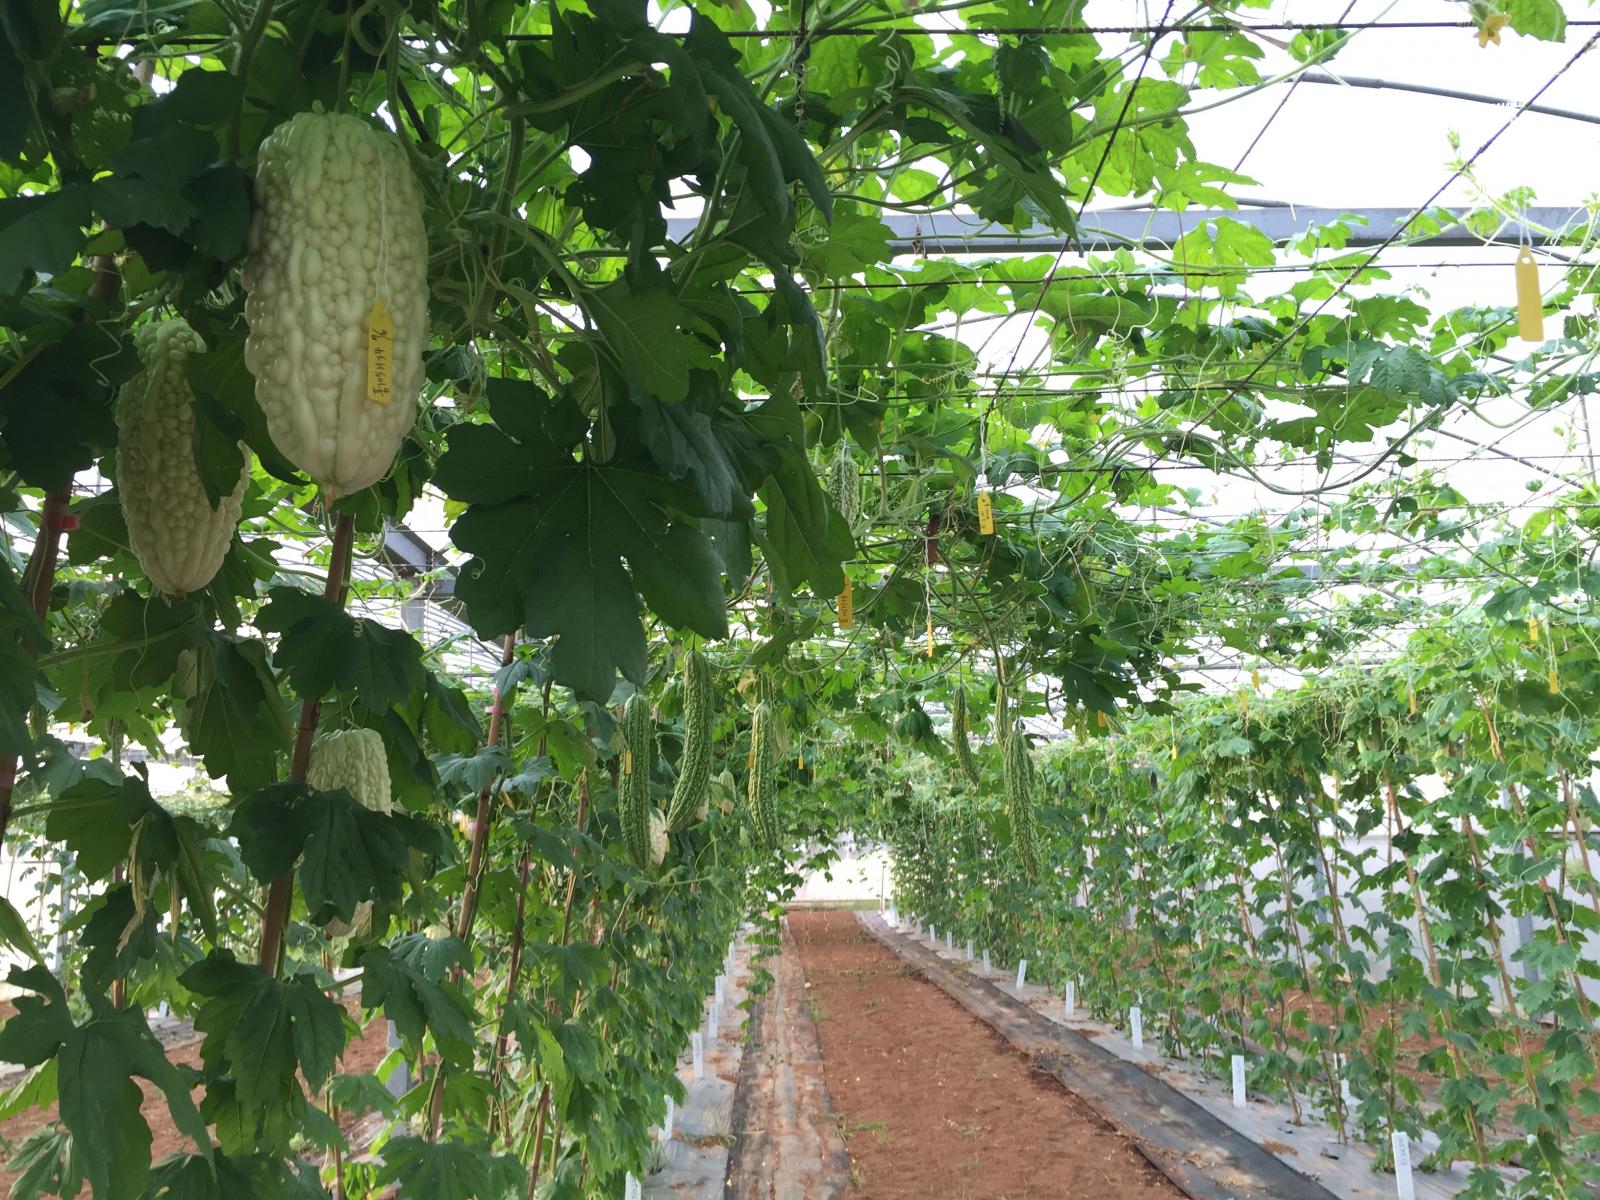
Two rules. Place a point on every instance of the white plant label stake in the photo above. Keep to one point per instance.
(949, 941)
(1136, 1023)
(666, 1121)
(1405, 1187)
(631, 1189)
(1238, 1081)
(933, 936)
(711, 1024)
(697, 1046)
(1344, 1084)
(722, 986)
(985, 962)
(1070, 1000)
(969, 949)
(1022, 973)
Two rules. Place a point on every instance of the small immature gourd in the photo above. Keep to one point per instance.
(355, 760)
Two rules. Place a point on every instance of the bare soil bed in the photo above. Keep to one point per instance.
(933, 1103)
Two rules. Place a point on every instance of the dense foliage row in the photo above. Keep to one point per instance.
(1329, 879)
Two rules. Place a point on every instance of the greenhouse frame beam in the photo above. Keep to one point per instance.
(1110, 229)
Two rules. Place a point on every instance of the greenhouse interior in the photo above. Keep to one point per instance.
(800, 599)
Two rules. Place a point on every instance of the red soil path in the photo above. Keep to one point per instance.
(933, 1103)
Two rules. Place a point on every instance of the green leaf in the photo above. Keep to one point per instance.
(58, 407)
(771, 146)
(40, 235)
(351, 855)
(260, 1176)
(854, 242)
(688, 444)
(236, 721)
(448, 1170)
(642, 330)
(803, 530)
(1542, 19)
(225, 400)
(265, 1032)
(41, 1022)
(267, 827)
(100, 1103)
(97, 820)
(553, 563)
(346, 854)
(323, 647)
(407, 981)
(469, 774)
(124, 202)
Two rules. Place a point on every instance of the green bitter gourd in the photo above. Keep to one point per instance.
(694, 767)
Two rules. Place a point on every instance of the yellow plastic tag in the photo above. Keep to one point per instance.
(930, 635)
(1255, 680)
(1555, 682)
(800, 762)
(1533, 629)
(1100, 718)
(985, 514)
(847, 607)
(1413, 703)
(1530, 305)
(627, 762)
(380, 354)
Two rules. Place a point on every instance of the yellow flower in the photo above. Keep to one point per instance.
(1489, 31)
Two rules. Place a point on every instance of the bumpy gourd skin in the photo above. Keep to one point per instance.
(179, 539)
(352, 759)
(634, 796)
(337, 228)
(694, 768)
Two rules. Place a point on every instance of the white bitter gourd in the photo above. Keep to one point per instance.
(179, 539)
(338, 229)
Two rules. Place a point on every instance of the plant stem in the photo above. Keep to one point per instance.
(280, 895)
(475, 859)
